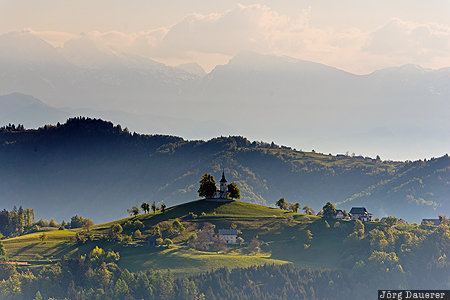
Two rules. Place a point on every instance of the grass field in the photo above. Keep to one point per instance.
(281, 231)
(188, 261)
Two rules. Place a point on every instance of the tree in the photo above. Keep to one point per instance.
(309, 211)
(2, 252)
(177, 227)
(145, 207)
(137, 233)
(219, 243)
(207, 186)
(233, 191)
(345, 213)
(255, 245)
(168, 242)
(329, 211)
(53, 223)
(294, 207)
(63, 224)
(43, 237)
(156, 231)
(391, 221)
(75, 222)
(204, 235)
(115, 231)
(134, 211)
(38, 296)
(154, 207)
(191, 240)
(282, 204)
(88, 223)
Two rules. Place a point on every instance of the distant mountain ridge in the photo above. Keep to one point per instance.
(98, 170)
(405, 109)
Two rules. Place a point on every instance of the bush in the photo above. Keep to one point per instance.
(168, 243)
(138, 225)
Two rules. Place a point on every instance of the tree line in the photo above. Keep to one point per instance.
(21, 221)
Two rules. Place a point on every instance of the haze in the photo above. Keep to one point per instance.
(404, 121)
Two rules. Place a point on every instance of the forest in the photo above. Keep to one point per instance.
(69, 169)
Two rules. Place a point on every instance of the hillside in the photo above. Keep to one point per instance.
(275, 247)
(286, 237)
(135, 255)
(85, 164)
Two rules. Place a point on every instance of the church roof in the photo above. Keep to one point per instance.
(223, 177)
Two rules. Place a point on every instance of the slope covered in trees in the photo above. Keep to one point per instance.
(85, 164)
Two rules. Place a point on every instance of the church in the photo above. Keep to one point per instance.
(221, 194)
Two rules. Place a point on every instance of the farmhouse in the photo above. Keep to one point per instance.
(230, 235)
(339, 214)
(360, 213)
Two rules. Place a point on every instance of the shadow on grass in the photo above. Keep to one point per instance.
(26, 248)
(61, 249)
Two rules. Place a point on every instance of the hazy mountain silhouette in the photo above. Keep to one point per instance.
(395, 110)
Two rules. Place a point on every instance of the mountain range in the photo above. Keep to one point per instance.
(398, 113)
(93, 168)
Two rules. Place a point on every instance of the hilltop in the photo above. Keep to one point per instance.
(253, 220)
(84, 164)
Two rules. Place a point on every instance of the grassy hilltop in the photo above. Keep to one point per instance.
(251, 219)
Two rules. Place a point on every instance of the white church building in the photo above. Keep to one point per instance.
(221, 194)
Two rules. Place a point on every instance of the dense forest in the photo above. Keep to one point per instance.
(85, 163)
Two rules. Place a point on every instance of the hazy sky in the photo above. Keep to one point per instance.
(358, 36)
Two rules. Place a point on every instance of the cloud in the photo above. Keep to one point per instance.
(211, 39)
(244, 28)
(405, 41)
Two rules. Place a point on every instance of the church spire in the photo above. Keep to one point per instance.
(223, 177)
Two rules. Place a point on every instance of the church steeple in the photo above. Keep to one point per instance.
(223, 186)
(223, 177)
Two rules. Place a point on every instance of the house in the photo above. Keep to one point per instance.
(339, 214)
(230, 235)
(360, 213)
(435, 222)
